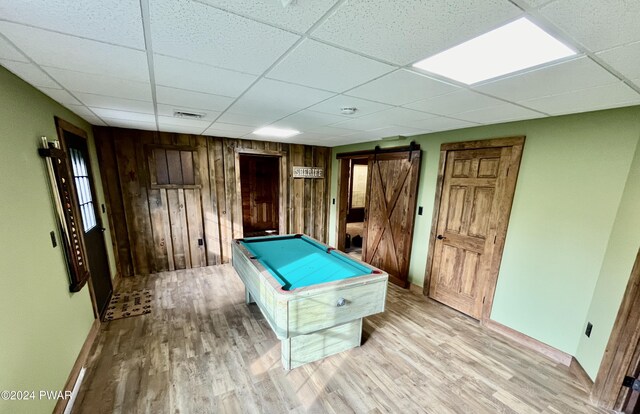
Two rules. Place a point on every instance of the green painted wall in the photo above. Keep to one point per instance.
(573, 174)
(42, 325)
(614, 274)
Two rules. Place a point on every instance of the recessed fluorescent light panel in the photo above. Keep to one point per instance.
(516, 46)
(276, 132)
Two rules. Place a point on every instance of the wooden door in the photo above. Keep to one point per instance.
(90, 229)
(389, 217)
(613, 387)
(260, 181)
(470, 225)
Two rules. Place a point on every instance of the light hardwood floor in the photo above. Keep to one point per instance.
(202, 350)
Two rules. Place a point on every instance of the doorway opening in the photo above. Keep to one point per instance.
(386, 219)
(358, 187)
(260, 190)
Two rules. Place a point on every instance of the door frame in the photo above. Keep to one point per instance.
(623, 348)
(344, 180)
(517, 144)
(282, 196)
(63, 126)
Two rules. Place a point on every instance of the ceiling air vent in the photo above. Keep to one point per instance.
(188, 115)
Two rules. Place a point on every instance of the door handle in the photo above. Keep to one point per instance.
(441, 237)
(102, 229)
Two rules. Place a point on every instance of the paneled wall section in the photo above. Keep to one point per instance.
(159, 228)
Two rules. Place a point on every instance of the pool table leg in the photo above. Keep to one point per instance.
(247, 297)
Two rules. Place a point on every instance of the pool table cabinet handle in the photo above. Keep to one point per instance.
(341, 302)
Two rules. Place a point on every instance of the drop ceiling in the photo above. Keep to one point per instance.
(246, 64)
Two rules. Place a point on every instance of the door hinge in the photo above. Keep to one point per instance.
(483, 299)
(632, 383)
(495, 238)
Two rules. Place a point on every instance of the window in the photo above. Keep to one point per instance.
(171, 167)
(85, 200)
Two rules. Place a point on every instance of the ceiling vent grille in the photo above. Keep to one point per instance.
(188, 115)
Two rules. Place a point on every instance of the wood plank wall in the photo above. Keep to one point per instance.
(158, 229)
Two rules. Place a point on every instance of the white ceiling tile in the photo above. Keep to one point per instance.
(180, 129)
(93, 120)
(405, 32)
(601, 97)
(130, 123)
(299, 16)
(455, 102)
(361, 136)
(552, 80)
(624, 59)
(72, 53)
(383, 119)
(257, 119)
(325, 67)
(598, 24)
(101, 85)
(200, 33)
(183, 122)
(267, 90)
(273, 99)
(110, 102)
(60, 96)
(7, 51)
(220, 129)
(114, 21)
(30, 73)
(534, 3)
(86, 114)
(243, 129)
(332, 131)
(402, 87)
(440, 123)
(497, 114)
(307, 120)
(80, 110)
(168, 111)
(191, 99)
(123, 115)
(332, 106)
(178, 73)
(395, 130)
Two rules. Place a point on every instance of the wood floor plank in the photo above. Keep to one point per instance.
(203, 350)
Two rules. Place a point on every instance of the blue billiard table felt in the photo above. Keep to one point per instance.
(299, 261)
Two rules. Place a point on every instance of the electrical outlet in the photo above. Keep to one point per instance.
(588, 330)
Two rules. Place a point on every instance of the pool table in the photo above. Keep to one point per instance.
(313, 296)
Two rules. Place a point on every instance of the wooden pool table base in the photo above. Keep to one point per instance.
(298, 350)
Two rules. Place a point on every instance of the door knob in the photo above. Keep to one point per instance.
(441, 237)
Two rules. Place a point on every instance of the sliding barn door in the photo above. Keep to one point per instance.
(389, 219)
(471, 224)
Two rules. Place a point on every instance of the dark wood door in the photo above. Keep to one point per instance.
(466, 231)
(92, 229)
(260, 180)
(389, 218)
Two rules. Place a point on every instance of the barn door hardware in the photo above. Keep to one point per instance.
(65, 203)
(632, 383)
